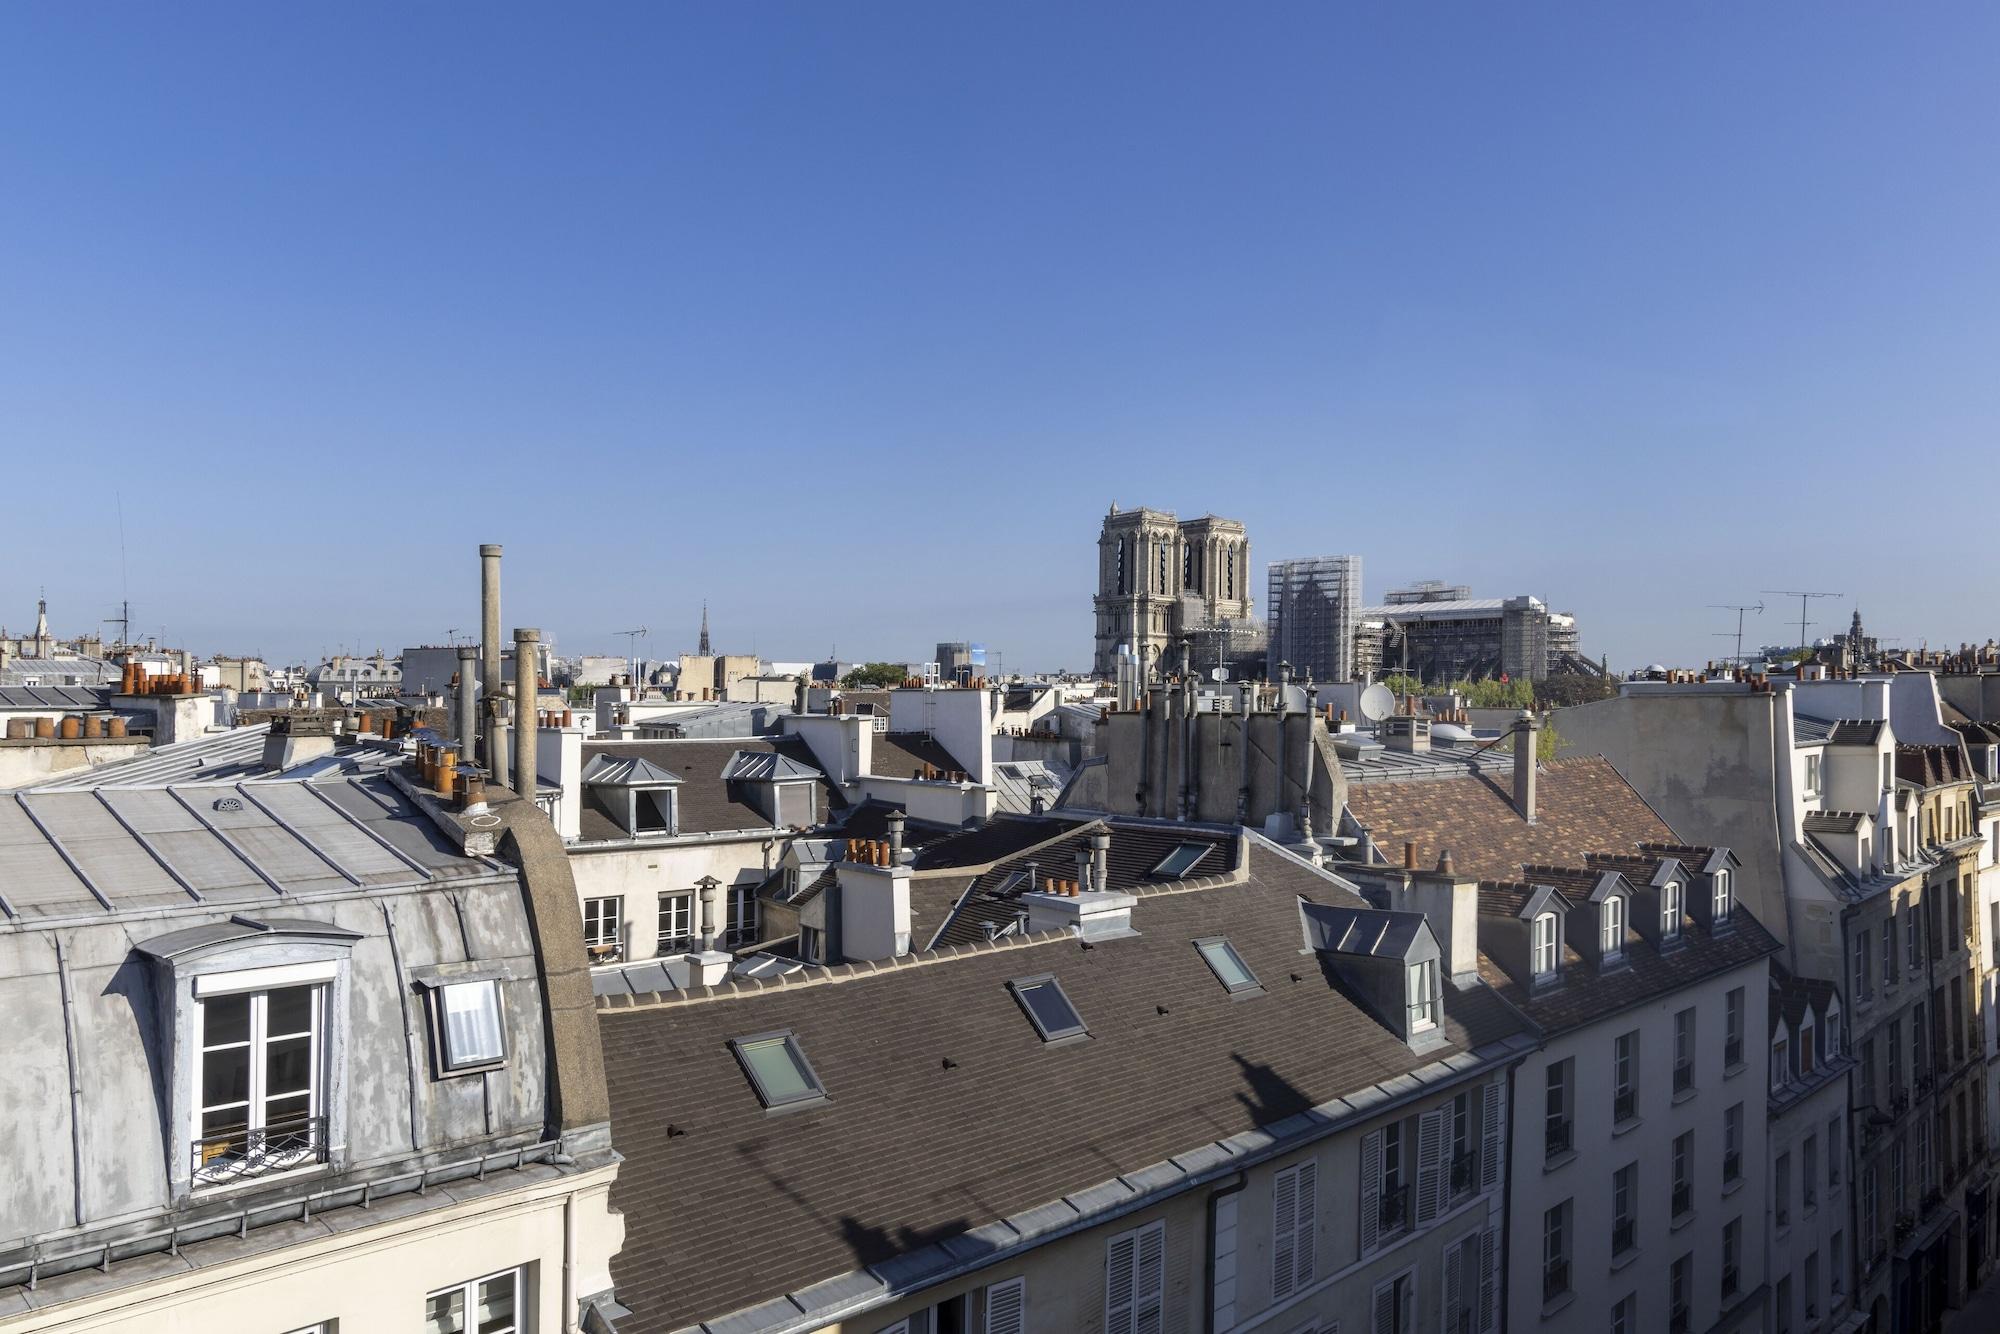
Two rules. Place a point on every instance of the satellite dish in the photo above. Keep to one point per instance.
(1377, 702)
(1217, 674)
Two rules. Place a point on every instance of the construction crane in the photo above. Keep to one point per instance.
(632, 638)
(1804, 599)
(1740, 610)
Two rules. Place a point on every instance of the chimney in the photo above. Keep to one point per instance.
(1525, 728)
(1100, 860)
(468, 709)
(895, 824)
(1450, 903)
(1083, 868)
(874, 907)
(527, 736)
(1409, 856)
(489, 652)
(1089, 914)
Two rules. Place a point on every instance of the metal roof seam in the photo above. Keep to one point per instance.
(311, 845)
(362, 825)
(223, 838)
(147, 844)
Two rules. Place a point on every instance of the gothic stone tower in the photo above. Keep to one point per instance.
(1159, 578)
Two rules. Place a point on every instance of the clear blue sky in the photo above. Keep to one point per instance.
(853, 318)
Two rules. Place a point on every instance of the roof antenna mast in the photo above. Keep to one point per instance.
(1804, 598)
(1739, 609)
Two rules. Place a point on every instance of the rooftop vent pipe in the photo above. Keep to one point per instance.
(1525, 728)
(489, 650)
(526, 734)
(468, 713)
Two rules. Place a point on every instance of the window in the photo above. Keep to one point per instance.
(1625, 1315)
(1179, 862)
(1047, 1008)
(740, 927)
(489, 1305)
(1555, 1252)
(1294, 1227)
(1135, 1279)
(1683, 1198)
(468, 1026)
(1624, 1219)
(1870, 1209)
(1807, 1063)
(1464, 1145)
(1812, 773)
(1546, 959)
(1227, 965)
(1393, 1194)
(1007, 1307)
(602, 926)
(1888, 954)
(1670, 911)
(1732, 1144)
(1836, 1265)
(778, 1070)
(1732, 1037)
(1464, 1272)
(1732, 1257)
(1555, 1118)
(1611, 928)
(812, 944)
(1812, 1286)
(1809, 1172)
(1724, 898)
(1781, 1190)
(1913, 943)
(1782, 1304)
(1868, 1072)
(1684, 1050)
(1864, 976)
(1833, 1152)
(1781, 1061)
(1625, 1077)
(676, 922)
(258, 1083)
(1680, 1291)
(1423, 995)
(1394, 1305)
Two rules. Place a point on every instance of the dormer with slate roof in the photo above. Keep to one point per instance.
(1711, 895)
(634, 792)
(1660, 894)
(1521, 928)
(1387, 960)
(1601, 927)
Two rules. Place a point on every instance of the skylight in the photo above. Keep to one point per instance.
(778, 1070)
(1227, 965)
(468, 1015)
(1180, 861)
(1047, 1008)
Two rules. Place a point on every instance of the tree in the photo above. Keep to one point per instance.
(876, 675)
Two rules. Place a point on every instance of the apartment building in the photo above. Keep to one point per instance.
(1808, 1228)
(1201, 1085)
(289, 1054)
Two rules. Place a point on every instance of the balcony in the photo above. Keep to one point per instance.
(1624, 1236)
(1684, 1077)
(239, 1154)
(1624, 1105)
(1683, 1198)
(1555, 1279)
(1555, 1142)
(1464, 1174)
(1392, 1214)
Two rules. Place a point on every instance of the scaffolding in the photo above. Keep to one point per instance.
(1312, 607)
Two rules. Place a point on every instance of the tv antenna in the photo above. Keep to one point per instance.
(1804, 600)
(1741, 610)
(632, 638)
(451, 636)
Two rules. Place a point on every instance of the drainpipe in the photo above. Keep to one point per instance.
(526, 731)
(468, 713)
(489, 653)
(570, 1320)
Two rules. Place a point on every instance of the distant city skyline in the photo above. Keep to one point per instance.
(1636, 313)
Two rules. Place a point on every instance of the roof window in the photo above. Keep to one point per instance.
(778, 1070)
(1227, 965)
(1180, 861)
(1047, 1008)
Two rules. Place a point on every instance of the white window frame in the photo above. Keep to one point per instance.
(677, 906)
(1724, 900)
(221, 1167)
(449, 1060)
(470, 1289)
(1006, 1307)
(1401, 1321)
(1611, 928)
(1422, 980)
(595, 944)
(1135, 1279)
(1294, 1227)
(1546, 957)
(1670, 911)
(740, 916)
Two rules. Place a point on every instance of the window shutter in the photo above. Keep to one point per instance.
(1307, 1232)
(1454, 1275)
(1489, 1140)
(1007, 1307)
(1430, 1145)
(1385, 1307)
(1488, 1280)
(1371, 1190)
(1284, 1232)
(1120, 1272)
(1150, 1297)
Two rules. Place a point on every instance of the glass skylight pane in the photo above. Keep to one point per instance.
(1227, 964)
(778, 1069)
(1049, 1008)
(472, 1023)
(1180, 861)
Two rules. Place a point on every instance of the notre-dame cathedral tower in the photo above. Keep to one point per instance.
(1161, 581)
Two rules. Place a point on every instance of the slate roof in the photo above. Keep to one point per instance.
(1978, 733)
(1810, 731)
(1833, 822)
(946, 1112)
(706, 804)
(1932, 766)
(54, 697)
(1857, 732)
(904, 754)
(1002, 836)
(1582, 805)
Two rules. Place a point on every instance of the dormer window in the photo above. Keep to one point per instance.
(1781, 1062)
(1670, 911)
(1832, 1033)
(1423, 995)
(258, 1082)
(1806, 1062)
(1611, 929)
(1546, 957)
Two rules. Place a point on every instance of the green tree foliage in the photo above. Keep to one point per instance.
(1478, 694)
(876, 674)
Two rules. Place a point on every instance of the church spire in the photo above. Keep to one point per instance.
(702, 649)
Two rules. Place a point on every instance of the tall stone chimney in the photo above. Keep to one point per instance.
(527, 733)
(1525, 728)
(468, 704)
(489, 654)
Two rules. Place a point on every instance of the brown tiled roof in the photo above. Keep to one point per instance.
(1931, 766)
(705, 802)
(946, 1112)
(1691, 855)
(1581, 805)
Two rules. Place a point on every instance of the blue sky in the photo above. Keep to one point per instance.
(853, 319)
